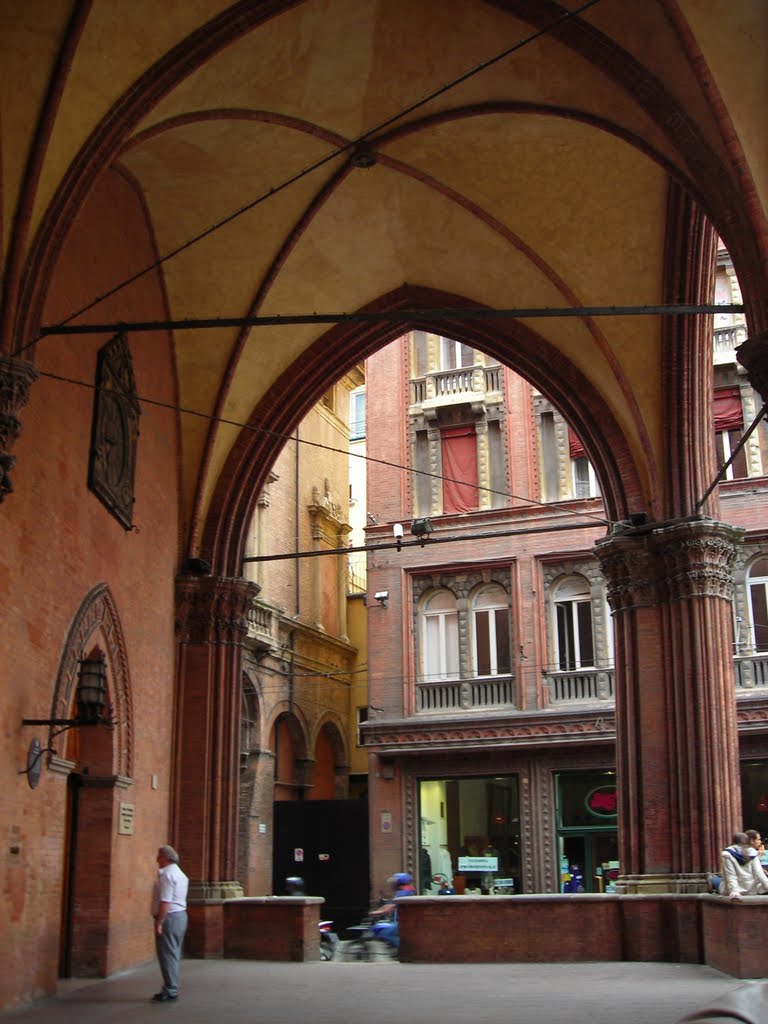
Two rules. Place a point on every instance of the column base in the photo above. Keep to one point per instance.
(647, 885)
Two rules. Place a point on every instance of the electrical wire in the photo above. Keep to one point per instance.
(350, 146)
(182, 410)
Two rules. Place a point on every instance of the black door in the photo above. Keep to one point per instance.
(331, 837)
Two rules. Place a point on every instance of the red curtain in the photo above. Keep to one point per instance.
(728, 413)
(459, 448)
(575, 446)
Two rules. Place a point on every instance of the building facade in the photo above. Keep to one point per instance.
(491, 668)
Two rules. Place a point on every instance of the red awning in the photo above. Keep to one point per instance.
(575, 447)
(728, 411)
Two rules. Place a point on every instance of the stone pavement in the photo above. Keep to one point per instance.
(235, 991)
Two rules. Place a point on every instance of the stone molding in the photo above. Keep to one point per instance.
(15, 380)
(213, 609)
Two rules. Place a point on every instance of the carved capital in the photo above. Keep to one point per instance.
(753, 356)
(15, 380)
(691, 558)
(213, 609)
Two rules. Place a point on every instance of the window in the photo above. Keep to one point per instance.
(573, 625)
(459, 454)
(758, 604)
(453, 354)
(729, 425)
(357, 415)
(584, 479)
(362, 716)
(440, 636)
(490, 620)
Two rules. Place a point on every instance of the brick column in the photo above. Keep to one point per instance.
(211, 627)
(670, 589)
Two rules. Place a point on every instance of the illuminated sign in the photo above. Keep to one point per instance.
(603, 802)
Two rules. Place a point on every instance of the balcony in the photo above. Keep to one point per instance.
(583, 686)
(465, 694)
(751, 672)
(262, 625)
(726, 341)
(447, 387)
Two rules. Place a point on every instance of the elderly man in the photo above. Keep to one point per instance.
(169, 911)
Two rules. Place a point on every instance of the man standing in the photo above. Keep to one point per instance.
(169, 911)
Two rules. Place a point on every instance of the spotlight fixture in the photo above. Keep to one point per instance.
(422, 528)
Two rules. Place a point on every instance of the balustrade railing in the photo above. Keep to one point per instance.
(448, 384)
(586, 685)
(751, 672)
(262, 624)
(726, 341)
(465, 694)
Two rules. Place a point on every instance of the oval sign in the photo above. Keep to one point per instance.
(603, 801)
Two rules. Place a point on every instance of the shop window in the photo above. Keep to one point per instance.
(573, 625)
(459, 453)
(758, 604)
(587, 836)
(440, 636)
(453, 354)
(470, 835)
(491, 632)
(729, 426)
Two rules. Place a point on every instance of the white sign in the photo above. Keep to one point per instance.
(298, 854)
(478, 863)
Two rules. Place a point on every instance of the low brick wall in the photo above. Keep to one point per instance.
(272, 928)
(575, 927)
(734, 935)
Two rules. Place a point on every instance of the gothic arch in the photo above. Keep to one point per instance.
(514, 344)
(97, 619)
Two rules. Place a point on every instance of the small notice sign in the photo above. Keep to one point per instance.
(478, 863)
(298, 855)
(125, 819)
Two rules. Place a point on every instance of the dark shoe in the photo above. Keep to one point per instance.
(163, 997)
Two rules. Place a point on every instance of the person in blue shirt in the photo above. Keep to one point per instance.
(387, 931)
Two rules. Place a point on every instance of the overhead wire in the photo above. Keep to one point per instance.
(316, 165)
(225, 421)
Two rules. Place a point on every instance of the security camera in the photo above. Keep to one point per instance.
(382, 596)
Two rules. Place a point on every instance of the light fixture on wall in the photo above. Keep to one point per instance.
(91, 705)
(422, 528)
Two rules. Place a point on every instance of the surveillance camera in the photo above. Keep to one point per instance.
(382, 595)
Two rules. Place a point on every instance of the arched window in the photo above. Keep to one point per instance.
(758, 603)
(440, 636)
(573, 625)
(490, 631)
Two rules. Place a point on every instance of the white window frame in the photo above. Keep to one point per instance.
(439, 636)
(483, 603)
(571, 603)
(755, 581)
(451, 354)
(592, 486)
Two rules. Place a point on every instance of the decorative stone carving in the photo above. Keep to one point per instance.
(753, 356)
(15, 379)
(691, 558)
(115, 430)
(213, 609)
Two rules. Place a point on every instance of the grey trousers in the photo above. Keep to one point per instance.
(168, 946)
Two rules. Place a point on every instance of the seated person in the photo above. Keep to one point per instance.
(742, 873)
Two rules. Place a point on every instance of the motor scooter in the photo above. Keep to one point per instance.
(366, 943)
(329, 941)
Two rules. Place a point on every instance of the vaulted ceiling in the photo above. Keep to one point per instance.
(310, 156)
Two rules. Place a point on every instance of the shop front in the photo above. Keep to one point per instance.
(587, 834)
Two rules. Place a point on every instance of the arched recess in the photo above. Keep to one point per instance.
(97, 623)
(98, 762)
(288, 742)
(514, 344)
(331, 766)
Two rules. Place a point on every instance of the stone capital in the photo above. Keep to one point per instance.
(648, 566)
(213, 609)
(753, 356)
(15, 380)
